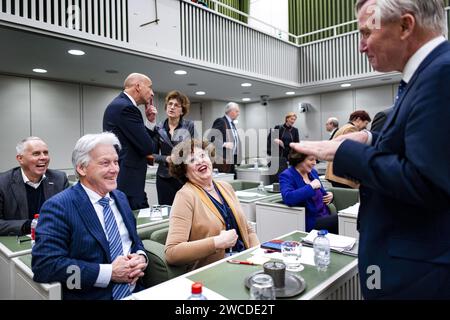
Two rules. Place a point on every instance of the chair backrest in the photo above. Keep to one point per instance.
(343, 197)
(158, 270)
(160, 235)
(147, 232)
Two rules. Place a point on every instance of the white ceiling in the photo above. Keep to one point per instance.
(24, 50)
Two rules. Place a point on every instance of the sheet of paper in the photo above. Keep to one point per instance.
(337, 242)
(144, 213)
(353, 210)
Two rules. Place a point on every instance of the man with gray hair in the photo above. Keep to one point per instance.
(88, 232)
(24, 189)
(404, 216)
(123, 118)
(227, 142)
(332, 125)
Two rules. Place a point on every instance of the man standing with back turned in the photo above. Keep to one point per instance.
(404, 216)
(123, 118)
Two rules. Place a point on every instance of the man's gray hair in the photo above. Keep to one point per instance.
(84, 145)
(231, 106)
(20, 147)
(429, 14)
(334, 121)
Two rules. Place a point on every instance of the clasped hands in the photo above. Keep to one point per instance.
(128, 269)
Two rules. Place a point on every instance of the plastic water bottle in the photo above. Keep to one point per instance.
(33, 229)
(321, 250)
(196, 292)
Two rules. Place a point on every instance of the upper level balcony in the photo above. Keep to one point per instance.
(182, 32)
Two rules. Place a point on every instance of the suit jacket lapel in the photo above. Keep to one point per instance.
(89, 216)
(49, 186)
(19, 193)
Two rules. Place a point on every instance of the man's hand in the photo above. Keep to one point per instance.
(328, 197)
(121, 270)
(360, 136)
(150, 111)
(322, 150)
(137, 264)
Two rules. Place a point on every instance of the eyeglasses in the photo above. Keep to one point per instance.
(174, 105)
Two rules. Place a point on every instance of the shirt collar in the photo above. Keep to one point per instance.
(94, 197)
(131, 98)
(418, 57)
(29, 182)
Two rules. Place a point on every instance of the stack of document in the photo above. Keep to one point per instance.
(337, 243)
(245, 194)
(353, 210)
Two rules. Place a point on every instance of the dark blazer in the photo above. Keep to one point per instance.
(69, 234)
(13, 197)
(285, 135)
(404, 217)
(125, 120)
(333, 133)
(296, 192)
(379, 119)
(164, 144)
(223, 126)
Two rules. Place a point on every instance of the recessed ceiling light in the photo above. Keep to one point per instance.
(290, 93)
(38, 70)
(346, 85)
(180, 72)
(76, 52)
(200, 93)
(246, 84)
(246, 99)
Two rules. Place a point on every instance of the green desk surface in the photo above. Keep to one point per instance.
(26, 259)
(228, 279)
(13, 245)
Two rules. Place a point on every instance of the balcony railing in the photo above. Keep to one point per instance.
(104, 18)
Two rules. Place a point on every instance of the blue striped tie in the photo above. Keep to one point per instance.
(119, 290)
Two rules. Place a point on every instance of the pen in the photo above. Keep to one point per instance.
(241, 262)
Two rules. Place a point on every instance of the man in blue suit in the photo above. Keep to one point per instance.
(86, 236)
(404, 171)
(123, 118)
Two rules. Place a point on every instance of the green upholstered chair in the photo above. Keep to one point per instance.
(239, 185)
(342, 198)
(158, 270)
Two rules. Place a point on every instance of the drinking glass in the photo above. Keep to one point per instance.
(261, 287)
(155, 213)
(292, 251)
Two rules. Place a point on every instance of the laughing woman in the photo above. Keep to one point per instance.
(206, 221)
(300, 186)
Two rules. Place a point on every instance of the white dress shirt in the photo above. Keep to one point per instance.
(104, 276)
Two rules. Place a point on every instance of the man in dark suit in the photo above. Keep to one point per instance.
(227, 142)
(86, 236)
(332, 125)
(123, 118)
(379, 119)
(24, 189)
(404, 217)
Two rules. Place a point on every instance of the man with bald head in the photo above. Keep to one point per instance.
(24, 189)
(123, 118)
